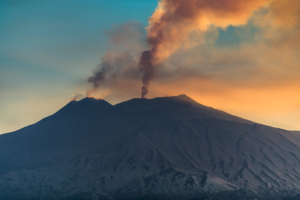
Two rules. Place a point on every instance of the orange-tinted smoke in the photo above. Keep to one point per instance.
(286, 13)
(175, 20)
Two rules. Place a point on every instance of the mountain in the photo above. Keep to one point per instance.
(162, 148)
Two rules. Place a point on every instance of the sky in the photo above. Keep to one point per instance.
(241, 57)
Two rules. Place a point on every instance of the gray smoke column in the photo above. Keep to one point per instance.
(100, 73)
(97, 78)
(146, 66)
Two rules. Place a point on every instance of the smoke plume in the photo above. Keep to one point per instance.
(111, 66)
(174, 21)
(189, 52)
(126, 42)
(146, 66)
(76, 97)
(173, 27)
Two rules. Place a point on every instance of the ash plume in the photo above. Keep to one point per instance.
(146, 66)
(112, 66)
(126, 42)
(180, 26)
(174, 21)
(102, 69)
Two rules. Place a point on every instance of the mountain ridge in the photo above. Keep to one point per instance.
(168, 147)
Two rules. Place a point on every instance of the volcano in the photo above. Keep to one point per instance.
(162, 148)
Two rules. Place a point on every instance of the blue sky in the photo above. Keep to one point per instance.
(48, 47)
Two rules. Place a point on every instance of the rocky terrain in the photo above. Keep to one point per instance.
(162, 148)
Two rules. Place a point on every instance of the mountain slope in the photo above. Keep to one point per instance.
(167, 148)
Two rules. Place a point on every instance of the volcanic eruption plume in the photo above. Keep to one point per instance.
(146, 66)
(174, 21)
(171, 27)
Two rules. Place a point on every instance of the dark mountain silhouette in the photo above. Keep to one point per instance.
(162, 148)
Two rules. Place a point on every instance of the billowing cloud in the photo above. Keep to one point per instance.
(280, 23)
(174, 21)
(184, 57)
(285, 13)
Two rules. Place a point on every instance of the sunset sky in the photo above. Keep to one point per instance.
(241, 57)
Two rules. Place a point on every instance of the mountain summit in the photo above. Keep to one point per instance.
(162, 148)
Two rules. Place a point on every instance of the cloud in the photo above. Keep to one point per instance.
(174, 21)
(285, 13)
(241, 79)
(279, 24)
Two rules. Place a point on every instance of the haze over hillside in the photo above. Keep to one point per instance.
(162, 148)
